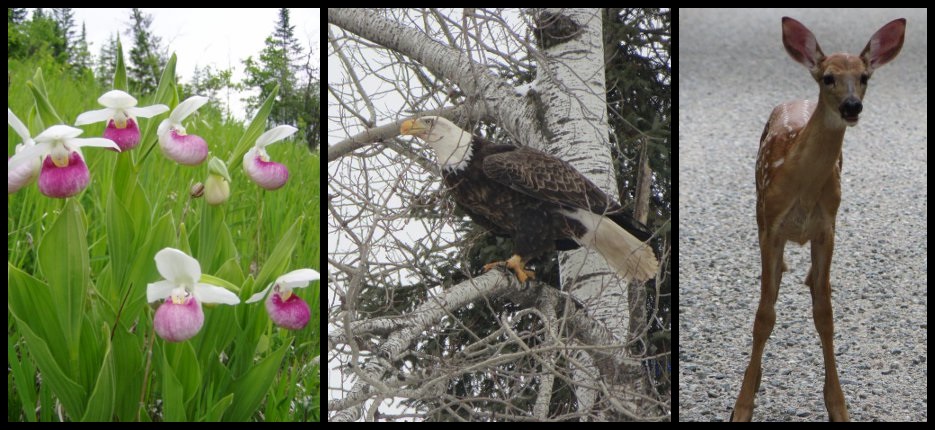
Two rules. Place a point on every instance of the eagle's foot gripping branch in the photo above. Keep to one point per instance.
(516, 264)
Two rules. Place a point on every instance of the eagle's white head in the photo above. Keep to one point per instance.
(451, 144)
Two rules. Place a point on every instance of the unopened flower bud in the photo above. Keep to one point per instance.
(217, 189)
(198, 190)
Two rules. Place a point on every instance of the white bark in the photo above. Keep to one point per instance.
(372, 241)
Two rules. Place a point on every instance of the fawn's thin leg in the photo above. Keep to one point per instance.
(819, 281)
(771, 253)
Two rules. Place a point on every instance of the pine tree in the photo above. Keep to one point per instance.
(208, 82)
(145, 62)
(39, 39)
(81, 61)
(65, 25)
(16, 15)
(107, 62)
(280, 63)
(276, 65)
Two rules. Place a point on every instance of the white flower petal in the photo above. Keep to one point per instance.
(18, 126)
(186, 108)
(93, 116)
(252, 153)
(297, 278)
(164, 127)
(178, 267)
(58, 132)
(28, 154)
(158, 290)
(256, 297)
(147, 111)
(117, 99)
(275, 134)
(98, 142)
(206, 293)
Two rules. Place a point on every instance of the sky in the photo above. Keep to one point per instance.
(199, 37)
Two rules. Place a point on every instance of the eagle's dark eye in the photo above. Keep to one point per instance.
(429, 121)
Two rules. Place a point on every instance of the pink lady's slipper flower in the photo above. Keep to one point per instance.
(182, 148)
(287, 310)
(120, 114)
(181, 317)
(63, 173)
(267, 174)
(26, 172)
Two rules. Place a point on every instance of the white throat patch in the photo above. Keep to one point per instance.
(454, 152)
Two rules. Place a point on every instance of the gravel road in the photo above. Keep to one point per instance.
(732, 71)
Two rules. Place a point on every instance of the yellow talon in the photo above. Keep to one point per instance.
(515, 263)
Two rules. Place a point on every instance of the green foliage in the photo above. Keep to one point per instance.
(49, 38)
(78, 270)
(145, 61)
(107, 62)
(637, 43)
(64, 24)
(208, 81)
(40, 39)
(81, 56)
(279, 65)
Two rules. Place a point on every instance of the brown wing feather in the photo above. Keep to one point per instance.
(547, 177)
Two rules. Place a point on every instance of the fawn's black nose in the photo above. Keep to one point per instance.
(850, 108)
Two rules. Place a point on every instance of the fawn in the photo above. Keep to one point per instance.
(798, 189)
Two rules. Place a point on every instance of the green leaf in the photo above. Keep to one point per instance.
(185, 367)
(254, 130)
(216, 412)
(101, 403)
(232, 271)
(31, 300)
(281, 256)
(128, 352)
(250, 388)
(46, 110)
(209, 234)
(63, 259)
(217, 167)
(120, 71)
(120, 238)
(172, 392)
(214, 280)
(68, 392)
(165, 91)
(22, 372)
(159, 235)
(131, 193)
(165, 94)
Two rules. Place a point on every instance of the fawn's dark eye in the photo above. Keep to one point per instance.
(828, 80)
(864, 78)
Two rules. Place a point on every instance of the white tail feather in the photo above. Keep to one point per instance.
(630, 257)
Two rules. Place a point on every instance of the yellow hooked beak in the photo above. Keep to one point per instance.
(414, 127)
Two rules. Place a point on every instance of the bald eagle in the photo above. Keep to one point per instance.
(538, 200)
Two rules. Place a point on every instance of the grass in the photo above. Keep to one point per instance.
(256, 219)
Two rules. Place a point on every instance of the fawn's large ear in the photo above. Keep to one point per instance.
(885, 44)
(801, 44)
